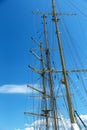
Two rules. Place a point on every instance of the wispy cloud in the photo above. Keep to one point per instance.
(13, 89)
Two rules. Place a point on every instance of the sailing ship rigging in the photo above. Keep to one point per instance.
(55, 84)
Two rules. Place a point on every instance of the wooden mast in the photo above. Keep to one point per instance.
(44, 88)
(53, 102)
(71, 112)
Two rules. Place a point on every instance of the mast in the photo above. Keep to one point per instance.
(44, 88)
(71, 112)
(53, 101)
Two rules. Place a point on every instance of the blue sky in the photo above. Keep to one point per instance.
(16, 28)
(14, 59)
(15, 31)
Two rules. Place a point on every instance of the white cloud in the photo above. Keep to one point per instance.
(84, 117)
(63, 121)
(13, 89)
(41, 123)
(38, 122)
(29, 128)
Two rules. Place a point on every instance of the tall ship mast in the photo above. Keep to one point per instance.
(52, 103)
